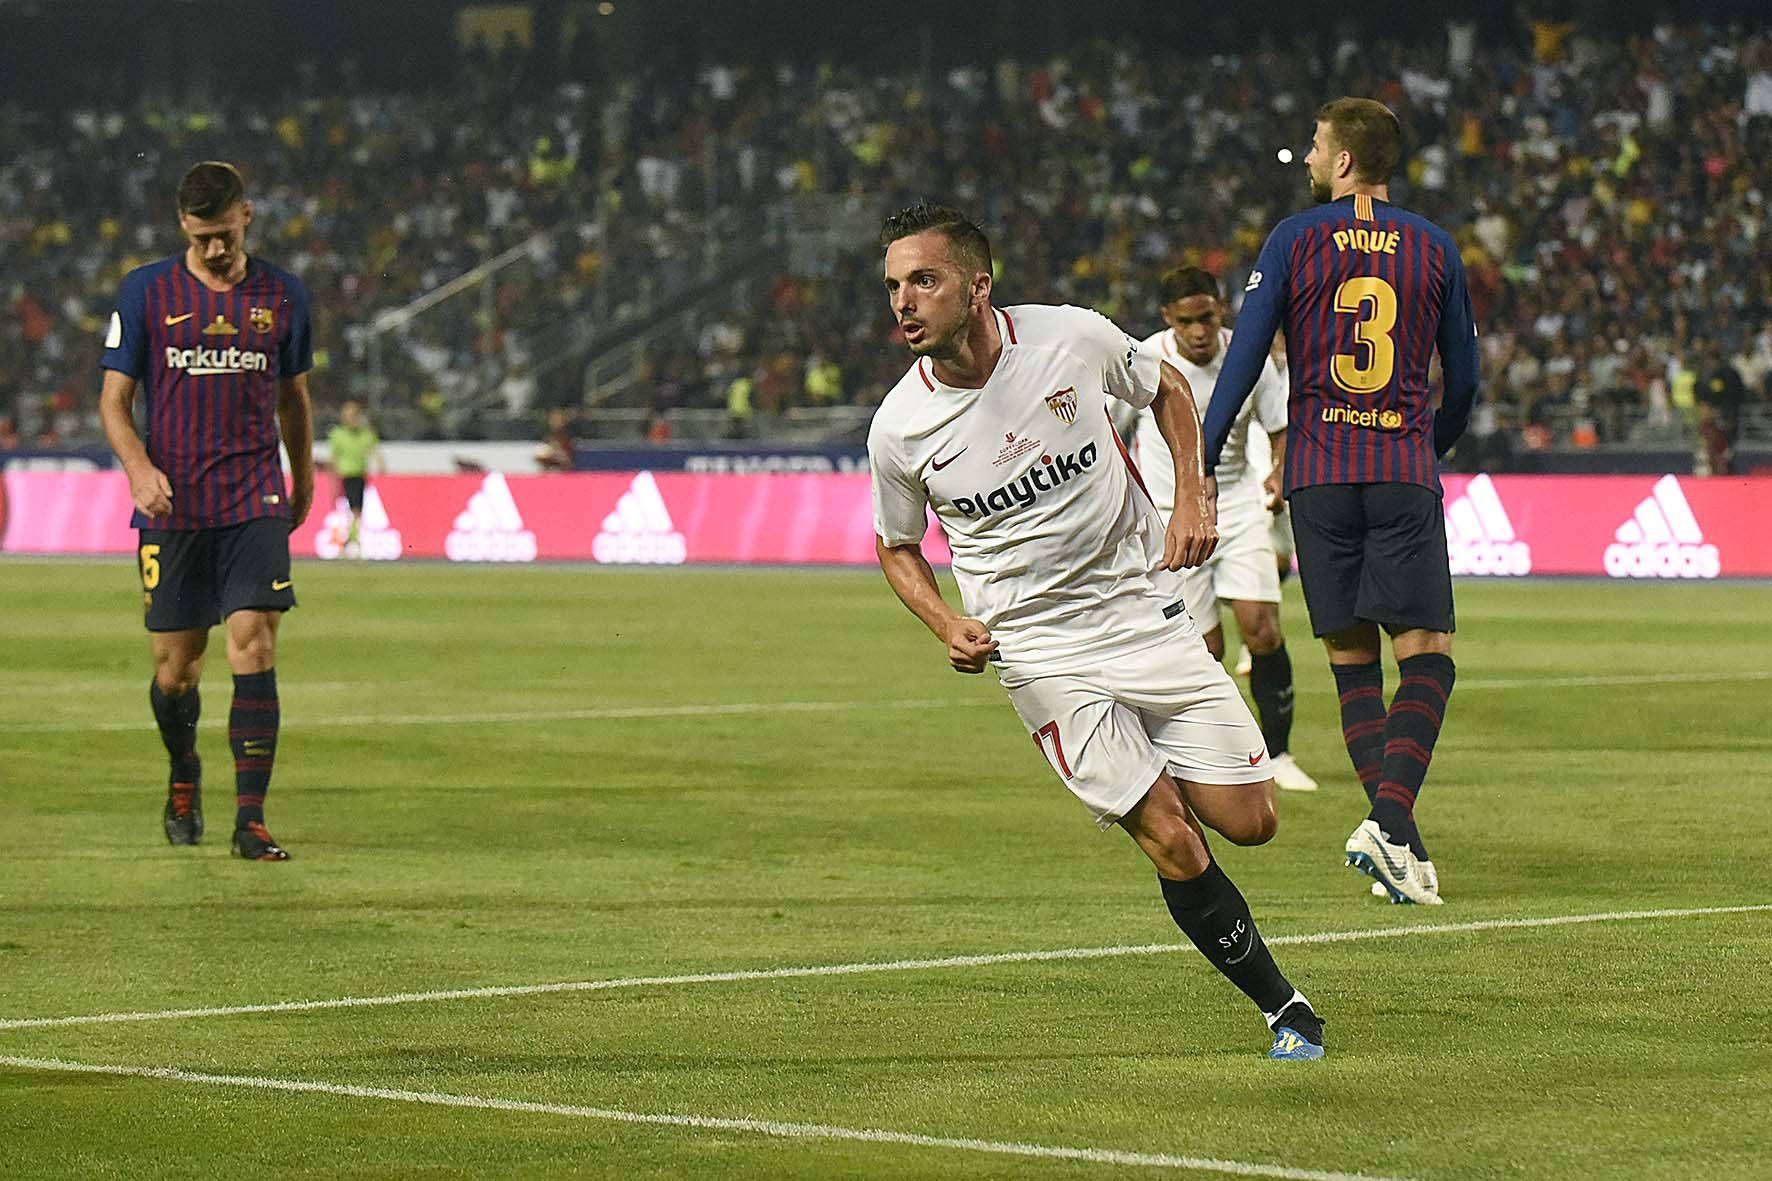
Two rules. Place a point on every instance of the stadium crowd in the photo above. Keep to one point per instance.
(1609, 194)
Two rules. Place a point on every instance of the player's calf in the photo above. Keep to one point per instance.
(1215, 917)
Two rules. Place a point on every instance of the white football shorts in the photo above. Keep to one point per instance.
(1244, 566)
(1110, 732)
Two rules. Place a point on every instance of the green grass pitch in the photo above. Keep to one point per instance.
(493, 778)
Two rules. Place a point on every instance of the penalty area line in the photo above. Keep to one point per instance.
(793, 1131)
(861, 968)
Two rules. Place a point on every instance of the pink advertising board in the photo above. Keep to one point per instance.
(1622, 526)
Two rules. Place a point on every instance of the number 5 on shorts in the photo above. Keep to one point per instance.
(1050, 730)
(150, 562)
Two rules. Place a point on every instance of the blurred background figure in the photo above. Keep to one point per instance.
(354, 448)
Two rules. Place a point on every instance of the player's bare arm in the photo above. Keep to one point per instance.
(295, 415)
(1272, 487)
(1193, 525)
(148, 486)
(969, 641)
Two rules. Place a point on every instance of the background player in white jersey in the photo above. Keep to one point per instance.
(1067, 575)
(1243, 570)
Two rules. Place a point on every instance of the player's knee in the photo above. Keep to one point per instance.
(177, 678)
(1260, 624)
(252, 648)
(1264, 638)
(1255, 824)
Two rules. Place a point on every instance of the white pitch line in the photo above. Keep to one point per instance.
(1101, 1156)
(746, 708)
(856, 969)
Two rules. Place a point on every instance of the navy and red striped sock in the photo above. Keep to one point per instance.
(177, 719)
(1410, 731)
(1361, 687)
(252, 733)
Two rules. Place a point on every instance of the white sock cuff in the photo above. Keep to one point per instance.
(1293, 1000)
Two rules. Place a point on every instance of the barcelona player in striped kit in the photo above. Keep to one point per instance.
(1366, 293)
(220, 344)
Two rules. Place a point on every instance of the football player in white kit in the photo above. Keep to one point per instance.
(1244, 569)
(1068, 576)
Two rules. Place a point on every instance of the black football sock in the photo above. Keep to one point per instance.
(177, 719)
(1270, 682)
(1361, 687)
(1211, 911)
(252, 733)
(1410, 731)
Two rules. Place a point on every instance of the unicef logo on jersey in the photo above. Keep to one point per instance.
(1044, 476)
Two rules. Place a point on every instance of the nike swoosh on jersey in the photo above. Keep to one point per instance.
(171, 320)
(941, 463)
(282, 584)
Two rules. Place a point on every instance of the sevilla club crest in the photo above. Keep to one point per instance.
(1064, 404)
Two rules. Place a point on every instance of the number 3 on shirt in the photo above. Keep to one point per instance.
(1050, 730)
(1373, 330)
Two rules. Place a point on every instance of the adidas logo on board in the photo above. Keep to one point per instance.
(490, 529)
(640, 530)
(1662, 539)
(1479, 537)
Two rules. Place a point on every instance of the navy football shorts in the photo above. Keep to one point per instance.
(1372, 553)
(195, 578)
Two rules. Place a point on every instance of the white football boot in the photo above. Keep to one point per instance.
(1428, 875)
(1392, 866)
(1290, 776)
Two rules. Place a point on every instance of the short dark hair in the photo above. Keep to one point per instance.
(1369, 132)
(970, 246)
(1183, 282)
(210, 189)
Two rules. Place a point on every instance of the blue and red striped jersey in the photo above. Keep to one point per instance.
(209, 364)
(1365, 292)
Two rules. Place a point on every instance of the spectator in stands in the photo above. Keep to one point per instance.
(1722, 392)
(556, 451)
(1716, 452)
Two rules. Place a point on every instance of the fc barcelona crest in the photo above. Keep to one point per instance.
(260, 319)
(1064, 404)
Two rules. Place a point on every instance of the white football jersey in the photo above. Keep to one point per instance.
(1239, 486)
(1057, 548)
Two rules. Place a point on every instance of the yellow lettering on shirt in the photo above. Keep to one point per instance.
(1368, 241)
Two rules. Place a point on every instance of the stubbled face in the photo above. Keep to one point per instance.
(1320, 163)
(1196, 320)
(220, 242)
(931, 295)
